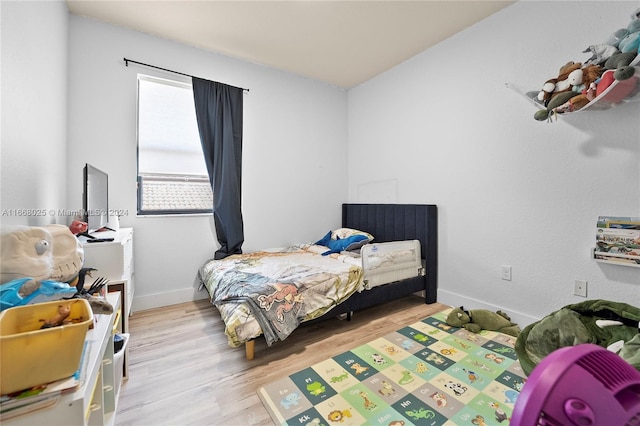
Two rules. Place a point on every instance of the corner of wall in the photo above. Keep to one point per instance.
(454, 299)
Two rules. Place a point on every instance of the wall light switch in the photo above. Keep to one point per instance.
(505, 272)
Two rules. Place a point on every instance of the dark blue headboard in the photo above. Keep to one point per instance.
(397, 222)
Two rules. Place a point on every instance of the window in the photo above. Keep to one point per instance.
(172, 175)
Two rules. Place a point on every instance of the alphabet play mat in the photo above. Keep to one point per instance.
(427, 373)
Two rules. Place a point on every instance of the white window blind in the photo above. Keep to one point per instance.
(172, 175)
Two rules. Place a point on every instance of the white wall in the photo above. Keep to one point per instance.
(33, 148)
(294, 152)
(442, 128)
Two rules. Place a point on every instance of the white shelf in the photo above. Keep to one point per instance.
(114, 261)
(606, 100)
(95, 401)
(622, 260)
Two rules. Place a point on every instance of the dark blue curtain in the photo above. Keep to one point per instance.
(219, 115)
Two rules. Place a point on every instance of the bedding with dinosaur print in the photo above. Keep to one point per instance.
(272, 292)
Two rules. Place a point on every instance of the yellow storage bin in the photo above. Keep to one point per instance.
(31, 356)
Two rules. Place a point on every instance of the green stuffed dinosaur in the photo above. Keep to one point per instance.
(476, 320)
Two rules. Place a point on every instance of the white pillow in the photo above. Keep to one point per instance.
(342, 233)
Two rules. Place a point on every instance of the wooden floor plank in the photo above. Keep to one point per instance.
(182, 372)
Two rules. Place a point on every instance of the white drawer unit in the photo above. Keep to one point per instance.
(114, 260)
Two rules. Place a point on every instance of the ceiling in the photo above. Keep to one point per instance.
(343, 43)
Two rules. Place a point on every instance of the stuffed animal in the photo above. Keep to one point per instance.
(616, 38)
(631, 42)
(588, 75)
(610, 62)
(340, 241)
(38, 263)
(559, 84)
(583, 82)
(557, 101)
(51, 252)
(620, 50)
(599, 53)
(628, 39)
(620, 63)
(575, 103)
(481, 319)
(581, 90)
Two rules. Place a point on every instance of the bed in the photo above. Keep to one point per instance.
(269, 293)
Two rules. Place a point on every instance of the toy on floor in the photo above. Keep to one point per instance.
(606, 323)
(477, 320)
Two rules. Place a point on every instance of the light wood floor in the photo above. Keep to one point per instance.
(182, 372)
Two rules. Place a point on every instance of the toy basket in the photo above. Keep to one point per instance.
(33, 356)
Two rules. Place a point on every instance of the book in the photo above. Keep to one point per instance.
(620, 236)
(618, 222)
(617, 258)
(16, 410)
(618, 240)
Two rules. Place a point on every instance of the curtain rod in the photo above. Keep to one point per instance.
(126, 62)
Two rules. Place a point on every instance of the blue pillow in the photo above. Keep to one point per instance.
(339, 245)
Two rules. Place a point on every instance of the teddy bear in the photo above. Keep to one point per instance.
(559, 84)
(585, 77)
(476, 320)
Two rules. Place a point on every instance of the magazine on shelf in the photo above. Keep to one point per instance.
(626, 237)
(617, 258)
(39, 403)
(619, 222)
(618, 239)
(45, 395)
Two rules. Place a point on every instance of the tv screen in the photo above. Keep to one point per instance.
(95, 197)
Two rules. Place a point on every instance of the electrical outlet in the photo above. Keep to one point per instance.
(505, 272)
(580, 288)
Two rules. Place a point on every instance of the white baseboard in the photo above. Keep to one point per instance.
(157, 300)
(455, 300)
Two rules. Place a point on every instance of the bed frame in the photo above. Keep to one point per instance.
(390, 222)
(395, 222)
